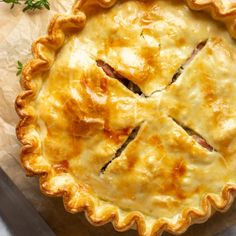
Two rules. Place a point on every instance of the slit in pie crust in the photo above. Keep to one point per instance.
(129, 112)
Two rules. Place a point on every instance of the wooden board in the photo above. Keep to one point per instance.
(17, 213)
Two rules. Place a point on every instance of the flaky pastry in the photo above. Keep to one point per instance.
(128, 112)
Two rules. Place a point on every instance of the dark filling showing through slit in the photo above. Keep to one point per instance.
(197, 137)
(196, 50)
(111, 72)
(118, 153)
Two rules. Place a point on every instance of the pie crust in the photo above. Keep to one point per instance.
(46, 151)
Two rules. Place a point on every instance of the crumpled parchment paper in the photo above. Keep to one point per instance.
(17, 32)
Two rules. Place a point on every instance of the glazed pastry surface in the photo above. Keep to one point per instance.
(85, 116)
(129, 112)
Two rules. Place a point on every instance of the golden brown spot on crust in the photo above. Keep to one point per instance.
(197, 190)
(207, 87)
(155, 141)
(132, 159)
(117, 136)
(61, 166)
(176, 110)
(150, 58)
(179, 170)
(104, 85)
(216, 40)
(98, 86)
(180, 143)
(116, 41)
(84, 118)
(81, 128)
(174, 186)
(180, 42)
(209, 51)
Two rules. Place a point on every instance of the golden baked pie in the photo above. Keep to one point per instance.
(129, 112)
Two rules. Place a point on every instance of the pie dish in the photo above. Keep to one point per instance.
(129, 112)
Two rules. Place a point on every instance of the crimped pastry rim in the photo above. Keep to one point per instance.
(76, 198)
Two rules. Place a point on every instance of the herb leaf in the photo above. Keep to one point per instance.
(12, 2)
(19, 68)
(39, 4)
(29, 4)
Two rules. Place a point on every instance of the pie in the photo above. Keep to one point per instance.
(129, 112)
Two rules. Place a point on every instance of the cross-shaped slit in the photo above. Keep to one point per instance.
(118, 153)
(111, 72)
(197, 137)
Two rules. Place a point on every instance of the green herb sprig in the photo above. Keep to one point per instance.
(19, 68)
(29, 4)
(12, 2)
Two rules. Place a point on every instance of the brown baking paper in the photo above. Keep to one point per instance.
(17, 32)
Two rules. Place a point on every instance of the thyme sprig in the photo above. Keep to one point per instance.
(19, 68)
(29, 4)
